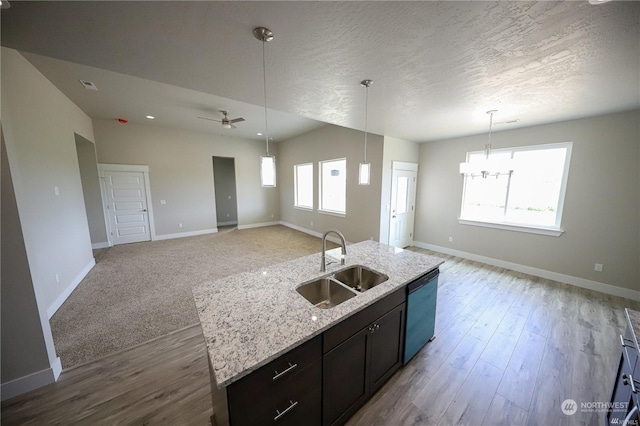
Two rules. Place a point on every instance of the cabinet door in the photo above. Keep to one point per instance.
(386, 343)
(344, 373)
(621, 393)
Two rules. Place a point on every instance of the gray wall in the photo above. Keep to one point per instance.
(394, 150)
(181, 173)
(362, 221)
(601, 210)
(91, 190)
(39, 124)
(24, 349)
(224, 178)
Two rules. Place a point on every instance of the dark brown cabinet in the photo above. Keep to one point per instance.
(626, 389)
(287, 391)
(356, 368)
(325, 380)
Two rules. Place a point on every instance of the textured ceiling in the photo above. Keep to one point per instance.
(437, 66)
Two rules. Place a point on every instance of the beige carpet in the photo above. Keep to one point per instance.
(140, 291)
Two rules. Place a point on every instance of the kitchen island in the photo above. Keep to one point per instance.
(251, 319)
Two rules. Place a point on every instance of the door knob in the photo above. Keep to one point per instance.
(143, 210)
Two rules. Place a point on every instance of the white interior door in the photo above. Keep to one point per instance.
(403, 200)
(126, 196)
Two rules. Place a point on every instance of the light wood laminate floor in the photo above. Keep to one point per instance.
(509, 349)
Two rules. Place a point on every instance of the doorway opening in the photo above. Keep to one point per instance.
(224, 183)
(90, 181)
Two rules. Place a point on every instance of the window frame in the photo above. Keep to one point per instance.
(321, 209)
(552, 230)
(296, 204)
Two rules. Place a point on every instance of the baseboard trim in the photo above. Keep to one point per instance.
(100, 245)
(542, 273)
(331, 238)
(67, 291)
(185, 234)
(32, 381)
(258, 225)
(233, 222)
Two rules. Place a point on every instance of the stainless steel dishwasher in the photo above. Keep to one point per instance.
(421, 313)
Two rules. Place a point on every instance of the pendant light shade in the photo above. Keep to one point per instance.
(268, 170)
(364, 171)
(364, 174)
(267, 162)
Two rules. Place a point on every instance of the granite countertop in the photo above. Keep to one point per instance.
(633, 318)
(252, 318)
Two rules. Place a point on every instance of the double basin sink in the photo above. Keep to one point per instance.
(333, 289)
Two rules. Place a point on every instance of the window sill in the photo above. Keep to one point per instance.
(306, 209)
(554, 232)
(332, 213)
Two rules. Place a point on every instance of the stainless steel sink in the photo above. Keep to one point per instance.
(325, 293)
(360, 278)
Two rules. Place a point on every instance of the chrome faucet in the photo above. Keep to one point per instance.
(323, 265)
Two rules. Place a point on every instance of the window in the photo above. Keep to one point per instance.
(303, 183)
(333, 186)
(528, 199)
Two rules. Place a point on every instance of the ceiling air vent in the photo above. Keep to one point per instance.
(89, 85)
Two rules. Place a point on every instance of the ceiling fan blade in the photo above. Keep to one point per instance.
(232, 126)
(236, 120)
(210, 119)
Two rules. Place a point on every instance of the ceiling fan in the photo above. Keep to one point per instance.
(226, 122)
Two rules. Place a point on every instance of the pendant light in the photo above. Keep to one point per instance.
(487, 166)
(267, 162)
(364, 172)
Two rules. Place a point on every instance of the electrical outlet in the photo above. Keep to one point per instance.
(598, 267)
(57, 279)
(179, 225)
(163, 202)
(56, 190)
(450, 239)
(311, 223)
(271, 216)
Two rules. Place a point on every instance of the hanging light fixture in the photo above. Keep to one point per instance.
(267, 162)
(487, 166)
(364, 172)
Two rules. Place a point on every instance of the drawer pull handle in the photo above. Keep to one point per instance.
(628, 380)
(624, 345)
(278, 375)
(289, 408)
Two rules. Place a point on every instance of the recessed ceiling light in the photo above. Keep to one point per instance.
(598, 1)
(150, 117)
(259, 134)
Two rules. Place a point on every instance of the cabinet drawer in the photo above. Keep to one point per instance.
(294, 401)
(347, 328)
(280, 369)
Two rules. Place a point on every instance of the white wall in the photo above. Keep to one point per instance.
(181, 173)
(39, 125)
(601, 210)
(394, 150)
(362, 221)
